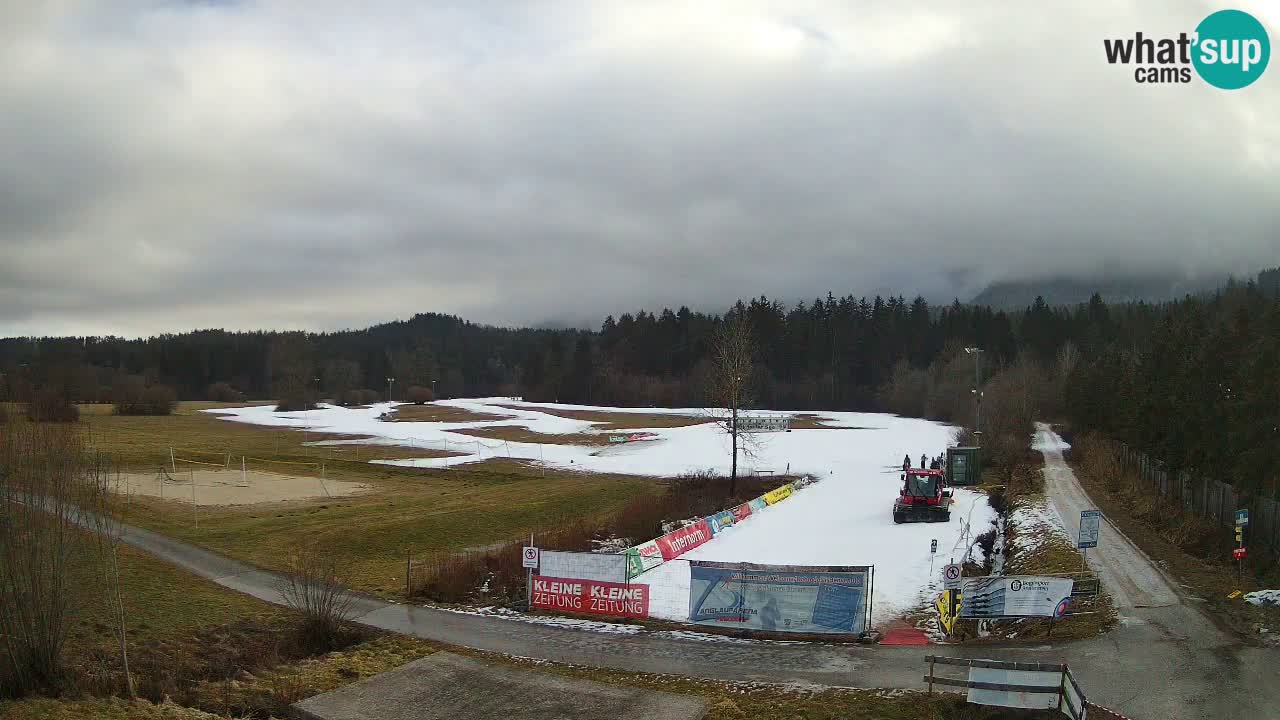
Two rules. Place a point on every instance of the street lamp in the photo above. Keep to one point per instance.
(433, 391)
(390, 380)
(976, 352)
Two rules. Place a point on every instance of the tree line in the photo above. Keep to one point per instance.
(1192, 381)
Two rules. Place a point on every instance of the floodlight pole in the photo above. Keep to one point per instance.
(390, 380)
(976, 352)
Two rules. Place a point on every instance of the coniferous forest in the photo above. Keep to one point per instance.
(1195, 382)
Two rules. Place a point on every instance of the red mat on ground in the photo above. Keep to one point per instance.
(904, 636)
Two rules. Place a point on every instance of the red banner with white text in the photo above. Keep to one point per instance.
(590, 597)
(678, 542)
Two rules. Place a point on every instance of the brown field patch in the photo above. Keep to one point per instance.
(518, 433)
(431, 412)
(613, 420)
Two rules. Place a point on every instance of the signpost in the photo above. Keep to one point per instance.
(951, 577)
(1090, 531)
(933, 550)
(1239, 553)
(529, 559)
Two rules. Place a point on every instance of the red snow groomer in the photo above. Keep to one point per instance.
(924, 497)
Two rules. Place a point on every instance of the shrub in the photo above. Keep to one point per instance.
(313, 586)
(224, 392)
(289, 404)
(419, 395)
(133, 397)
(987, 541)
(998, 500)
(49, 406)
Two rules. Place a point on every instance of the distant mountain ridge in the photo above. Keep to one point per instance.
(1016, 295)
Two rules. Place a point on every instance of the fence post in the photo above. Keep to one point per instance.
(930, 674)
(408, 573)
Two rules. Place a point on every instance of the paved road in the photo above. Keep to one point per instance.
(1128, 574)
(1163, 662)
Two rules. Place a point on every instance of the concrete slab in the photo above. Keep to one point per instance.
(445, 685)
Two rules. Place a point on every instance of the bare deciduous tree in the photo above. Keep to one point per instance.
(313, 586)
(730, 383)
(54, 504)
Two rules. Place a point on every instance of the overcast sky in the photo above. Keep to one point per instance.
(324, 164)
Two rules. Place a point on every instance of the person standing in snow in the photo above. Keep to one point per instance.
(906, 462)
(923, 459)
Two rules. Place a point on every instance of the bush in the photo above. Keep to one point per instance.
(313, 586)
(998, 500)
(360, 397)
(133, 397)
(419, 395)
(49, 406)
(223, 392)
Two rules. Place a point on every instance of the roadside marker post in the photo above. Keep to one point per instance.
(1239, 553)
(529, 558)
(933, 550)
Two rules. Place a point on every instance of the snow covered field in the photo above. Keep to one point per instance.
(844, 519)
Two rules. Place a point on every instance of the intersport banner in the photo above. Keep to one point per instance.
(778, 598)
(590, 597)
(678, 542)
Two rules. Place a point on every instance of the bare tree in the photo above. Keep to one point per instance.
(313, 586)
(99, 482)
(51, 492)
(730, 382)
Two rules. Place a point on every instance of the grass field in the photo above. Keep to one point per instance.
(441, 413)
(513, 433)
(619, 420)
(407, 510)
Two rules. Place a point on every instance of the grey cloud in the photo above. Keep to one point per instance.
(171, 165)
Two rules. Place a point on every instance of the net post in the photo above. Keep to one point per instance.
(173, 463)
(244, 474)
(195, 512)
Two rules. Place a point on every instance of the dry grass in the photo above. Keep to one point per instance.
(406, 510)
(514, 433)
(432, 412)
(609, 420)
(1193, 550)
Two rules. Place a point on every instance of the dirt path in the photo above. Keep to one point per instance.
(1127, 572)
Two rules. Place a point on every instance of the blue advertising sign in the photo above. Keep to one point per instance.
(779, 598)
(720, 521)
(1242, 518)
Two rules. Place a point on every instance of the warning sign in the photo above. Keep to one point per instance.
(951, 577)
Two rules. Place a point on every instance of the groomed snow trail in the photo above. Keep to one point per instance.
(843, 519)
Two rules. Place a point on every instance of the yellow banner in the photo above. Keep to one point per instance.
(774, 497)
(944, 605)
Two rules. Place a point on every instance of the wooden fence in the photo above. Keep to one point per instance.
(1216, 501)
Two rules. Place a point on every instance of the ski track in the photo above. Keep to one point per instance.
(843, 519)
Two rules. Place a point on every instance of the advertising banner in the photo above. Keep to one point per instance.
(758, 504)
(590, 597)
(678, 542)
(642, 558)
(1015, 596)
(741, 512)
(773, 497)
(720, 521)
(603, 567)
(778, 598)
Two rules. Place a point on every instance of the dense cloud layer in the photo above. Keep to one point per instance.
(168, 165)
